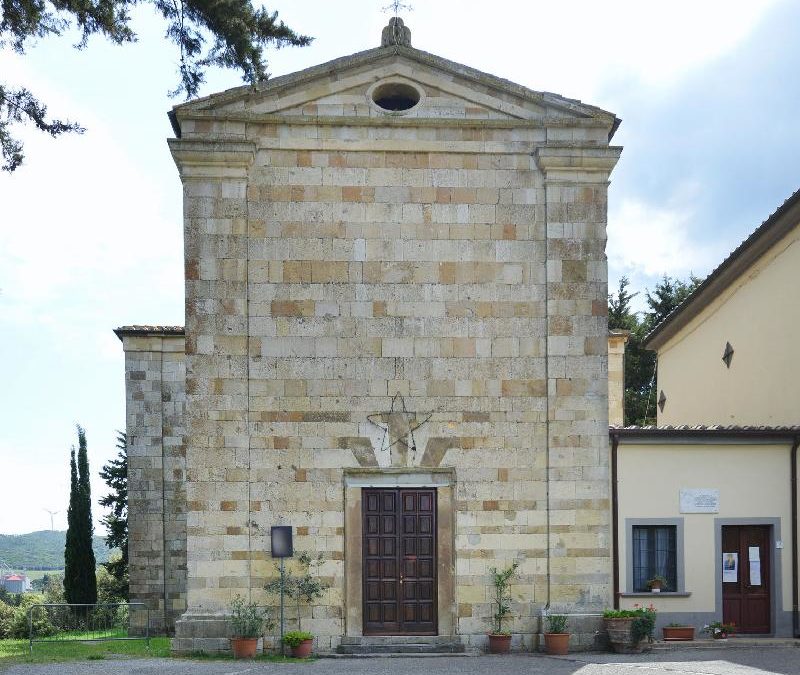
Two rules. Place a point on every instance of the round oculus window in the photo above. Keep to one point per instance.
(395, 96)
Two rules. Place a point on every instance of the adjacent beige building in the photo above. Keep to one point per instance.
(708, 499)
(395, 342)
(728, 355)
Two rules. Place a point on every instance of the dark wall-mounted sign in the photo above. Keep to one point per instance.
(281, 541)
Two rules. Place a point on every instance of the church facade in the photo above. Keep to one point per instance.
(395, 343)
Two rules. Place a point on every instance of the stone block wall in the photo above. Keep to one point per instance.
(155, 402)
(445, 270)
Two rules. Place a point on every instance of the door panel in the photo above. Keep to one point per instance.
(746, 601)
(399, 530)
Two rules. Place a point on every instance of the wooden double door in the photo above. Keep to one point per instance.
(399, 561)
(746, 591)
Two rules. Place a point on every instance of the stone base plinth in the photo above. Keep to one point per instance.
(202, 633)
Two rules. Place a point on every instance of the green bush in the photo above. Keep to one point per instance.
(6, 619)
(644, 620)
(16, 624)
(294, 637)
(556, 623)
(247, 620)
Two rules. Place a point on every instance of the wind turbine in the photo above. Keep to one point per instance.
(52, 513)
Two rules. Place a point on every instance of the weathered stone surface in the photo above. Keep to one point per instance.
(155, 396)
(340, 260)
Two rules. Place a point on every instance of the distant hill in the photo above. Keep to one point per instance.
(42, 550)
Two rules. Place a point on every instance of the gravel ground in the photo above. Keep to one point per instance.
(735, 661)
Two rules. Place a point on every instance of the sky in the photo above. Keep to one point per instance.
(91, 226)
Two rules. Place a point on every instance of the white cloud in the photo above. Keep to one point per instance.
(83, 223)
(647, 240)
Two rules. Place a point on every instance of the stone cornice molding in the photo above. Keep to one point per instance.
(351, 120)
(279, 85)
(554, 158)
(217, 157)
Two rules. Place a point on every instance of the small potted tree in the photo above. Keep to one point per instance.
(304, 588)
(499, 638)
(247, 625)
(556, 637)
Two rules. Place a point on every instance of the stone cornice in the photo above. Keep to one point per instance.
(351, 120)
(559, 157)
(278, 85)
(227, 158)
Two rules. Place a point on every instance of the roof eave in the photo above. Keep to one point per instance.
(706, 433)
(149, 331)
(276, 84)
(782, 221)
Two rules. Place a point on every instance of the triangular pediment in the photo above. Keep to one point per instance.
(345, 86)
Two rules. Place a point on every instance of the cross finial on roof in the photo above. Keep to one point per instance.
(396, 7)
(396, 33)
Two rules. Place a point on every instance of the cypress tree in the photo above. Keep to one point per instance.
(80, 581)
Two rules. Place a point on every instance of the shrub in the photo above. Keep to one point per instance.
(294, 637)
(644, 620)
(6, 620)
(247, 619)
(556, 623)
(18, 625)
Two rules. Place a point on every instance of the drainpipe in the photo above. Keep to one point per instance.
(793, 479)
(615, 520)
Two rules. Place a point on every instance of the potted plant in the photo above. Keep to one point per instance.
(247, 624)
(719, 630)
(676, 632)
(556, 637)
(301, 642)
(302, 587)
(657, 584)
(628, 628)
(499, 638)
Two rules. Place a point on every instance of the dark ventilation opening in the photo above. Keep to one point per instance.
(395, 96)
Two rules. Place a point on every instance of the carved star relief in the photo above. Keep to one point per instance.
(398, 425)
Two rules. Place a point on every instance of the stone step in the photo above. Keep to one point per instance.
(398, 639)
(401, 644)
(732, 642)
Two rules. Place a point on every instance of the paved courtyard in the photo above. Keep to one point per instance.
(735, 661)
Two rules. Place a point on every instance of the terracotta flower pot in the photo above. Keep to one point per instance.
(244, 648)
(499, 644)
(556, 644)
(678, 633)
(303, 650)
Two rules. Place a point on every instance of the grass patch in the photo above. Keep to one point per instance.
(18, 651)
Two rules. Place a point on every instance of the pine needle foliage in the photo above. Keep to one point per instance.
(115, 475)
(224, 33)
(640, 363)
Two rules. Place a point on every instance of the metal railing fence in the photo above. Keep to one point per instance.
(70, 622)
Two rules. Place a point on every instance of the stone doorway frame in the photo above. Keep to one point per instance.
(443, 479)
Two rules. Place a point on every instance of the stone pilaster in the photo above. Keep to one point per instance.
(214, 177)
(579, 555)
